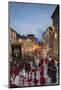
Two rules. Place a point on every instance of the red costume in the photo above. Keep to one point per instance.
(35, 80)
(42, 79)
(13, 72)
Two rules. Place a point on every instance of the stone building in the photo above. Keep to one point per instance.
(27, 43)
(12, 36)
(51, 36)
(45, 40)
(12, 40)
(55, 18)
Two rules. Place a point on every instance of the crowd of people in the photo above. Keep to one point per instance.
(43, 73)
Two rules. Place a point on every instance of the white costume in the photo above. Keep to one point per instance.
(16, 81)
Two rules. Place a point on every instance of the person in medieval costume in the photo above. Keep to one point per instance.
(34, 71)
(42, 79)
(13, 73)
(45, 65)
(16, 81)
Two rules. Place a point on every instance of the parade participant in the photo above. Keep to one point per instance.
(13, 73)
(38, 76)
(57, 66)
(34, 70)
(25, 79)
(22, 74)
(30, 78)
(29, 81)
(52, 71)
(45, 65)
(42, 79)
(14, 77)
(16, 81)
(27, 76)
(49, 65)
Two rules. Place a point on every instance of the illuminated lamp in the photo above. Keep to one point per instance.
(28, 39)
(20, 40)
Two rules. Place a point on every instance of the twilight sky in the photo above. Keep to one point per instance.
(27, 18)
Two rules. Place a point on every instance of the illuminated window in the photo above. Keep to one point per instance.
(55, 35)
(28, 40)
(14, 35)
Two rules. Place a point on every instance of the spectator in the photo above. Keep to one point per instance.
(52, 71)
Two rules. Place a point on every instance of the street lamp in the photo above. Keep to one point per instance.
(28, 39)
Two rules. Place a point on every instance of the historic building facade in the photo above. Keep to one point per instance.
(45, 39)
(12, 35)
(27, 43)
(55, 18)
(12, 40)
